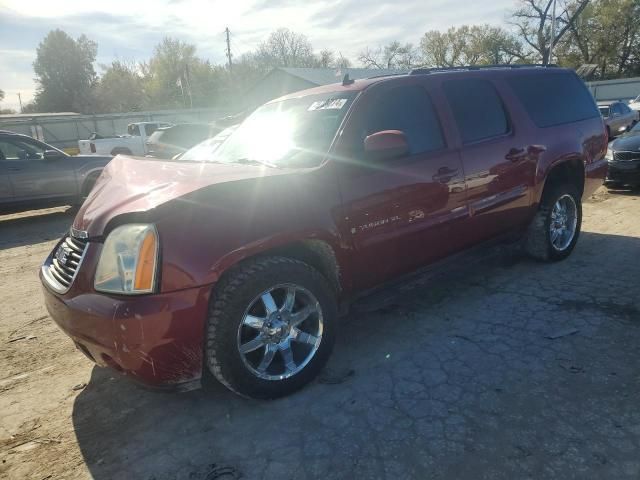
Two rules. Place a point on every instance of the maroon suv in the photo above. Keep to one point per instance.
(238, 257)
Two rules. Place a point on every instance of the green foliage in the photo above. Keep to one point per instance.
(607, 34)
(176, 78)
(120, 89)
(470, 45)
(64, 73)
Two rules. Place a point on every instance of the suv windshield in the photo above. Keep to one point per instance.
(291, 132)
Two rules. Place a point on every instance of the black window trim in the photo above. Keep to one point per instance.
(507, 114)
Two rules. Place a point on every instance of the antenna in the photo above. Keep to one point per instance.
(346, 80)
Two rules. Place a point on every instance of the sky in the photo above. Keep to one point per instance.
(128, 30)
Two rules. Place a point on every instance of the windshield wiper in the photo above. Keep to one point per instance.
(253, 161)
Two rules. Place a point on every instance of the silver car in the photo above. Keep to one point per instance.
(34, 174)
(618, 117)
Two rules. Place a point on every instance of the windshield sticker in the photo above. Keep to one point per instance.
(331, 104)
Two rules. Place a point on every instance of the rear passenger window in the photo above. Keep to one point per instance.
(477, 109)
(408, 109)
(554, 98)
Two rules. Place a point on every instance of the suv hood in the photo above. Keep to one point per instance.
(130, 185)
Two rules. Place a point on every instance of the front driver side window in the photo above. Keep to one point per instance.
(410, 110)
(20, 150)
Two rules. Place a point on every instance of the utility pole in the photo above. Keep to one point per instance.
(20, 100)
(553, 32)
(228, 48)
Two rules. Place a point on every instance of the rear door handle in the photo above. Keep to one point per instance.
(445, 174)
(14, 169)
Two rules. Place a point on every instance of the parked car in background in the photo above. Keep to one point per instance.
(34, 174)
(167, 142)
(133, 143)
(618, 117)
(635, 104)
(205, 149)
(623, 156)
(238, 259)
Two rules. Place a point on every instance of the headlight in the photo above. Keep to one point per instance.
(609, 155)
(128, 261)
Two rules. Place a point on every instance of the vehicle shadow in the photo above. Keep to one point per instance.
(360, 407)
(36, 226)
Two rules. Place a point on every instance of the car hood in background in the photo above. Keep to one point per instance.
(629, 142)
(133, 184)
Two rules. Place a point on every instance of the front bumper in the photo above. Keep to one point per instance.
(624, 172)
(155, 339)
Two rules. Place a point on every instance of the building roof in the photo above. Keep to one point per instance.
(24, 116)
(326, 76)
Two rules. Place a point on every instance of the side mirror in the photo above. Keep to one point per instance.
(51, 155)
(386, 145)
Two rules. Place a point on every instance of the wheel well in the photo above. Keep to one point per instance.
(570, 171)
(89, 182)
(316, 253)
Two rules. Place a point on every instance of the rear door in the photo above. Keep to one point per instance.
(31, 176)
(499, 161)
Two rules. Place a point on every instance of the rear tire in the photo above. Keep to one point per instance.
(543, 240)
(294, 353)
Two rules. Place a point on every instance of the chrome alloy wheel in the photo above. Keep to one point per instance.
(564, 219)
(280, 332)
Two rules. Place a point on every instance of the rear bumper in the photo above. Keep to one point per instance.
(627, 172)
(155, 339)
(594, 176)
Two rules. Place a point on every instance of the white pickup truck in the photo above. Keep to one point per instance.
(133, 143)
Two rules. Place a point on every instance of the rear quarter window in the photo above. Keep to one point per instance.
(554, 99)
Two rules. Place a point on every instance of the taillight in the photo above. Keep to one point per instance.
(93, 147)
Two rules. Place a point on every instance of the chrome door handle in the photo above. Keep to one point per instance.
(445, 174)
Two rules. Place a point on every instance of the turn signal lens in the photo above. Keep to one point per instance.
(146, 263)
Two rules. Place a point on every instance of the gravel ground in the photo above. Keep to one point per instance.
(503, 369)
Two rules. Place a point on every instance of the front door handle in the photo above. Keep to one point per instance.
(14, 169)
(515, 154)
(445, 174)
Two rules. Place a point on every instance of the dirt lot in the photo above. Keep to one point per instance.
(505, 369)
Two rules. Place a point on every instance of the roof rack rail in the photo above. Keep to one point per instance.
(427, 71)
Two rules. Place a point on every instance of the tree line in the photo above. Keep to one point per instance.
(602, 33)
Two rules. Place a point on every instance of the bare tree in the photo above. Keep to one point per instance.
(393, 55)
(285, 48)
(533, 19)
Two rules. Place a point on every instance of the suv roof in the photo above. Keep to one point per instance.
(484, 70)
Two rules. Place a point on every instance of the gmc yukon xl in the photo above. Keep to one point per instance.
(238, 258)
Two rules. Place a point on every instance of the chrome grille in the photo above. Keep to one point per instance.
(65, 261)
(625, 156)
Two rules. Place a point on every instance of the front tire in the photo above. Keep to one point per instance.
(271, 327)
(554, 231)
